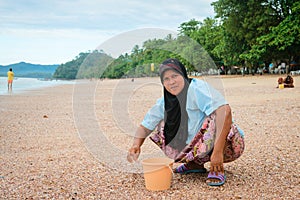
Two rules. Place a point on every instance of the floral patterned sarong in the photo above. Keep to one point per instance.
(201, 146)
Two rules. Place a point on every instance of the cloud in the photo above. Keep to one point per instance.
(100, 14)
(124, 42)
(59, 23)
(45, 46)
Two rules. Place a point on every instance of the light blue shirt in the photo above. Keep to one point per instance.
(202, 100)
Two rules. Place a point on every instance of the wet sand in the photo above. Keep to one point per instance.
(70, 142)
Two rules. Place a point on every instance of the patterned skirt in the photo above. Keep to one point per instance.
(200, 148)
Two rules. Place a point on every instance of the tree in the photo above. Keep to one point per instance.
(69, 70)
(283, 40)
(209, 35)
(188, 28)
(252, 26)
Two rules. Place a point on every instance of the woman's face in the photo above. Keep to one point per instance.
(173, 82)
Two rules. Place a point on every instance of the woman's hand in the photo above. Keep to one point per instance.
(133, 153)
(223, 124)
(135, 150)
(216, 162)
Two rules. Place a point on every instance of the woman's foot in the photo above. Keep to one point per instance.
(190, 167)
(215, 180)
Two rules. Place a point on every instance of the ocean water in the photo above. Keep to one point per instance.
(21, 85)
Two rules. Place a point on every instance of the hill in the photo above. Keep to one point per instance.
(29, 70)
(85, 65)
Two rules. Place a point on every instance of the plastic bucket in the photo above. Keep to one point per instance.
(158, 173)
(281, 86)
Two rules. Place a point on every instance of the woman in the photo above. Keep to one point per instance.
(194, 125)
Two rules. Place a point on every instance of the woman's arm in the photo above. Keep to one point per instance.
(223, 124)
(135, 150)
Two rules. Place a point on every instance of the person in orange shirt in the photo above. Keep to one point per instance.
(10, 78)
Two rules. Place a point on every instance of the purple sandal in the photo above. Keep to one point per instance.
(182, 169)
(221, 177)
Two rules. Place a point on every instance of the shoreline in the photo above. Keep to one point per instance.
(23, 85)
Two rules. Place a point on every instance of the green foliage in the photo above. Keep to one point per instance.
(281, 40)
(69, 70)
(85, 65)
(259, 30)
(286, 34)
(94, 65)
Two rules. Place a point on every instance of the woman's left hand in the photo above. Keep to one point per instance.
(216, 162)
(223, 124)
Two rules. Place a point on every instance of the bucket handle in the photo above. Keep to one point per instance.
(171, 168)
(169, 165)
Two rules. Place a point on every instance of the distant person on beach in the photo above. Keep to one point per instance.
(288, 81)
(194, 125)
(10, 78)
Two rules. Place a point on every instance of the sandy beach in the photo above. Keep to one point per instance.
(70, 142)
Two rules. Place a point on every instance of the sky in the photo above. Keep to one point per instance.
(56, 31)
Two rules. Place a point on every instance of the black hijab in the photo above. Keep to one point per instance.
(176, 117)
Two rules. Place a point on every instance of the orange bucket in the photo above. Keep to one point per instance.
(158, 173)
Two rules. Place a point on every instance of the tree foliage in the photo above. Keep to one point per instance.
(260, 30)
(69, 70)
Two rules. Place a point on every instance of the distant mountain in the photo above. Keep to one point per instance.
(29, 70)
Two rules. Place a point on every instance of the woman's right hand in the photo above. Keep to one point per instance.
(135, 150)
(133, 153)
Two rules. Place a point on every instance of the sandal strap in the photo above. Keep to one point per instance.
(181, 168)
(220, 176)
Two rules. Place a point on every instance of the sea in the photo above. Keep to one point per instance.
(22, 85)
